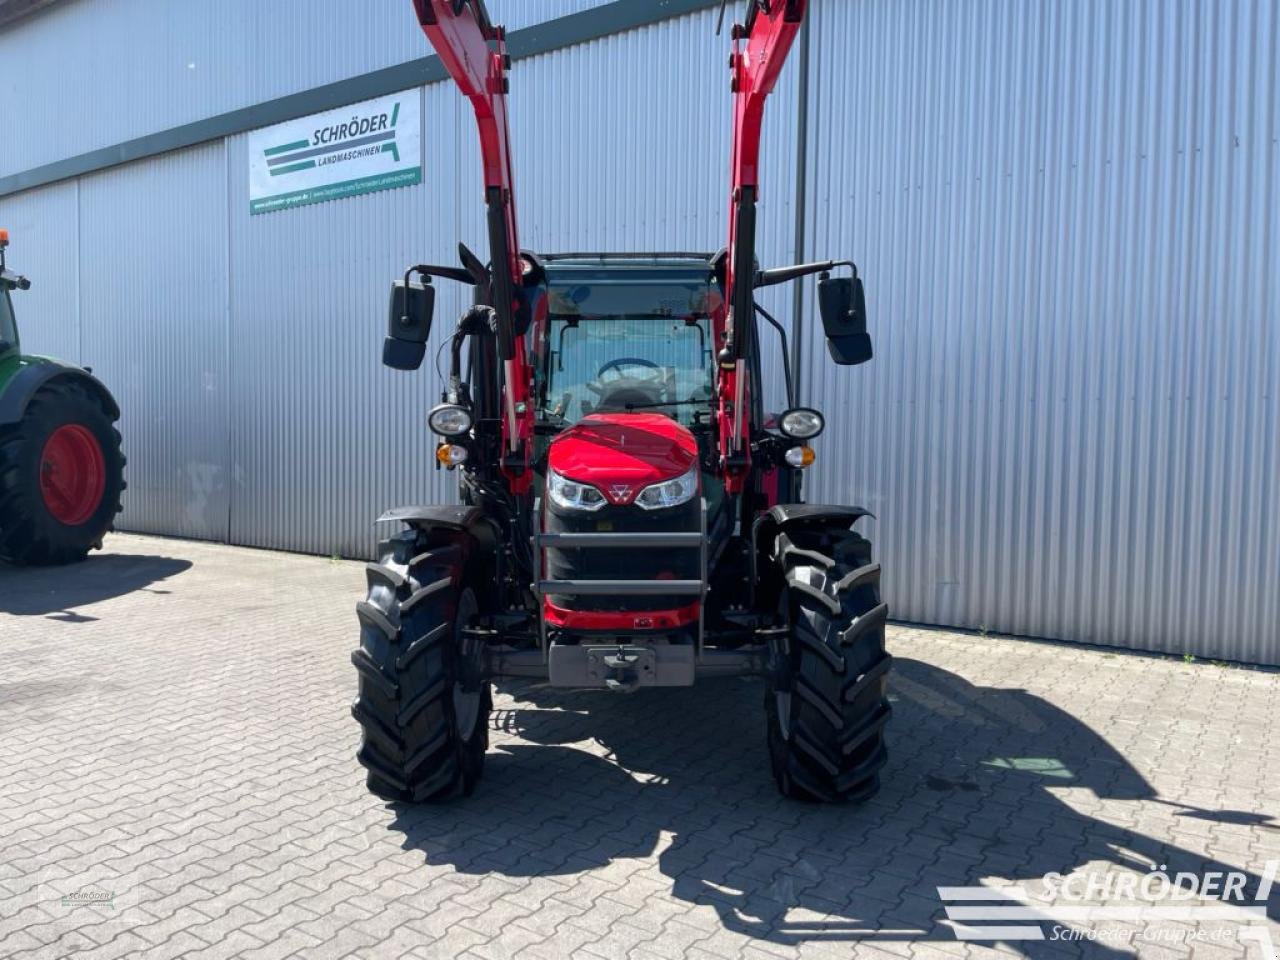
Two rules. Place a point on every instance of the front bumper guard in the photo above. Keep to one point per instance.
(633, 588)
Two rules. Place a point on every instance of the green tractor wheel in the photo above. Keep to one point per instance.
(61, 476)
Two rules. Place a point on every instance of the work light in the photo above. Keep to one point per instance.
(801, 423)
(449, 420)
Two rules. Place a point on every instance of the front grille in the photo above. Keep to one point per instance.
(607, 563)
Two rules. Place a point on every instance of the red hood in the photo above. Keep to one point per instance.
(622, 453)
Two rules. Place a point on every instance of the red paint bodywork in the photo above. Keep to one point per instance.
(755, 71)
(622, 453)
(769, 487)
(624, 621)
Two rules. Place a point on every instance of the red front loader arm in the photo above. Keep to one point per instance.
(770, 29)
(474, 52)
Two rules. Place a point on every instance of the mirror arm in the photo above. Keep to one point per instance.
(425, 270)
(768, 278)
(786, 353)
(421, 270)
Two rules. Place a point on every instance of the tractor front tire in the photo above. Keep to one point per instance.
(825, 703)
(423, 703)
(61, 476)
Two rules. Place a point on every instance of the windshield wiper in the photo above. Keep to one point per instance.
(665, 403)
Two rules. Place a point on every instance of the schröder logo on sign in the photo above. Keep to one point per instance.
(370, 146)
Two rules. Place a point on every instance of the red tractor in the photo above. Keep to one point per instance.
(629, 514)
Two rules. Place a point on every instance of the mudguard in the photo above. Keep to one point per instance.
(785, 515)
(449, 521)
(467, 530)
(448, 517)
(24, 385)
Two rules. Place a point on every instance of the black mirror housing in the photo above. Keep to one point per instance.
(408, 325)
(843, 305)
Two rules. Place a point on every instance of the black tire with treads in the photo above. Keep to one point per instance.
(423, 703)
(825, 702)
(29, 532)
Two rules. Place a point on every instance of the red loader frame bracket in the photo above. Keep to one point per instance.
(474, 52)
(769, 32)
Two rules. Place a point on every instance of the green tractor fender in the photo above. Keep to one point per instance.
(23, 379)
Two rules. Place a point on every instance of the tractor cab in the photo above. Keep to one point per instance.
(8, 329)
(626, 335)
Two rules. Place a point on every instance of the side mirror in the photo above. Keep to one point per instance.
(844, 315)
(408, 324)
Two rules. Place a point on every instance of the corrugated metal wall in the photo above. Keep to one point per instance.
(163, 63)
(1067, 216)
(153, 315)
(1066, 213)
(325, 437)
(45, 227)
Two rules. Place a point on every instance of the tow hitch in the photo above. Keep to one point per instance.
(622, 666)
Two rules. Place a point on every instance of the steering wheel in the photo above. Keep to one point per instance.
(640, 389)
(621, 362)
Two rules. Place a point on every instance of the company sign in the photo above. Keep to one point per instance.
(374, 145)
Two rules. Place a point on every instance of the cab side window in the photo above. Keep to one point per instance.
(8, 330)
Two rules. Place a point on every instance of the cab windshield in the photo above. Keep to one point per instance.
(627, 347)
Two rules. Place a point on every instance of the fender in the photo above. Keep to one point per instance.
(801, 515)
(429, 517)
(449, 521)
(787, 514)
(37, 373)
(465, 529)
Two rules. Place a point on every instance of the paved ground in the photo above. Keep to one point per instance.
(178, 780)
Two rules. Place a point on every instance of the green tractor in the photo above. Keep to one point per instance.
(61, 467)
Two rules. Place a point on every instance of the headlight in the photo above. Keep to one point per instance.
(801, 423)
(670, 493)
(572, 495)
(449, 420)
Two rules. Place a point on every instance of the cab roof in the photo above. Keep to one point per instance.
(603, 267)
(627, 259)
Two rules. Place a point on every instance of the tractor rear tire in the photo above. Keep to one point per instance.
(825, 703)
(423, 703)
(61, 476)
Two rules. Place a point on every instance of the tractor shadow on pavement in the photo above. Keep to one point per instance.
(57, 592)
(685, 779)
